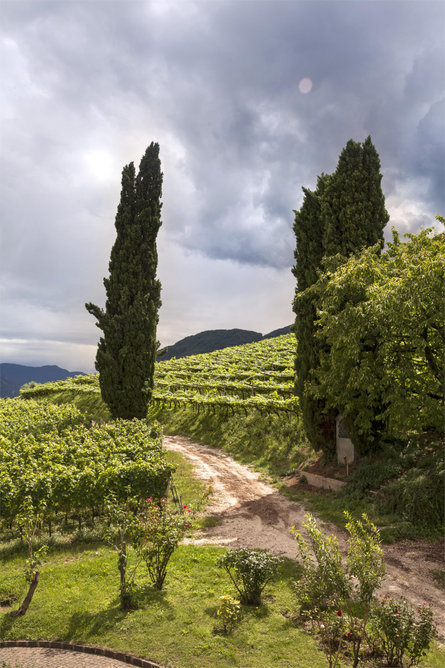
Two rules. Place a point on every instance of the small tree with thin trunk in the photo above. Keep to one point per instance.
(29, 520)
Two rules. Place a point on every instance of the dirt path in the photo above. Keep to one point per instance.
(254, 515)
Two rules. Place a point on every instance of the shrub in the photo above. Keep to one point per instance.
(29, 519)
(160, 530)
(228, 612)
(417, 495)
(326, 585)
(396, 631)
(250, 571)
(120, 532)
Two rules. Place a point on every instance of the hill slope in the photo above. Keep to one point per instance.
(216, 339)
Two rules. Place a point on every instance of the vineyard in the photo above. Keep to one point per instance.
(253, 376)
(65, 468)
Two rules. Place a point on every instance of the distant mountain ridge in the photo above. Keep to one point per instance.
(216, 339)
(13, 376)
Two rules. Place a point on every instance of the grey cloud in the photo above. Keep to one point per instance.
(216, 83)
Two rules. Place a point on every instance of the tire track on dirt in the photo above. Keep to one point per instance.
(253, 514)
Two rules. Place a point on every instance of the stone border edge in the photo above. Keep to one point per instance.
(86, 649)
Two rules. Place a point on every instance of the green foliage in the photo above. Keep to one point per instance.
(229, 612)
(382, 315)
(127, 351)
(323, 583)
(326, 585)
(396, 630)
(241, 379)
(417, 494)
(250, 571)
(28, 520)
(329, 625)
(174, 626)
(342, 216)
(120, 531)
(353, 205)
(365, 558)
(161, 527)
(67, 468)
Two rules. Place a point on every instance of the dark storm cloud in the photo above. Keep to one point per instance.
(252, 139)
(87, 85)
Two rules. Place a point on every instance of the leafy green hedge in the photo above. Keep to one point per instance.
(47, 453)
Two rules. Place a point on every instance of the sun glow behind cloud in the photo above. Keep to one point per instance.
(305, 85)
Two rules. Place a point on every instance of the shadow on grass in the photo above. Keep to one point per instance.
(58, 544)
(145, 596)
(6, 625)
(84, 625)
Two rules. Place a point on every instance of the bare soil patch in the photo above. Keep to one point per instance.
(253, 514)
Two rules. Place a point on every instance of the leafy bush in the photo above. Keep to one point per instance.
(417, 495)
(228, 612)
(326, 585)
(161, 527)
(380, 316)
(120, 532)
(250, 571)
(396, 630)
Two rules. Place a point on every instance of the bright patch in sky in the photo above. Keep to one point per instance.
(100, 164)
(305, 85)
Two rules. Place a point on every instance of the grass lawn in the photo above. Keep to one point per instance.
(77, 599)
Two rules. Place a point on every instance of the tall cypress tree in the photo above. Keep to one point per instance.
(126, 352)
(309, 233)
(354, 205)
(345, 214)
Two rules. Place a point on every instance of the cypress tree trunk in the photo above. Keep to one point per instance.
(126, 352)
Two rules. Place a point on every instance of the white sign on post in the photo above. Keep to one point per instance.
(345, 447)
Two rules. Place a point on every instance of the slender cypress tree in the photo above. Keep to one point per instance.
(126, 352)
(353, 204)
(345, 214)
(309, 233)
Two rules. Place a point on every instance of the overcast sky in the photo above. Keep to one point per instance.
(249, 101)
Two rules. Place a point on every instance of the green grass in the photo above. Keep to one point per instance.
(439, 576)
(272, 443)
(77, 599)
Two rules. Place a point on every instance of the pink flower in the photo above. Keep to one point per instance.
(398, 612)
(188, 510)
(339, 613)
(184, 506)
(149, 499)
(188, 524)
